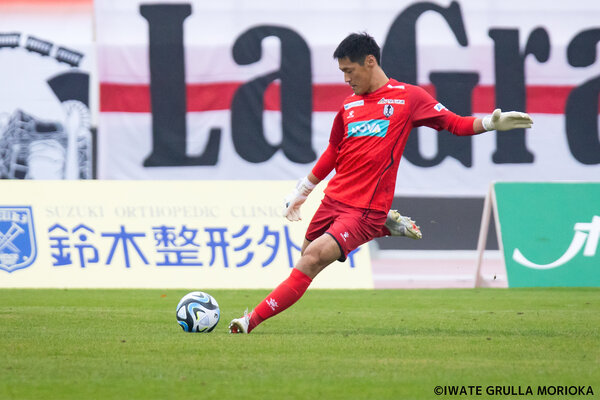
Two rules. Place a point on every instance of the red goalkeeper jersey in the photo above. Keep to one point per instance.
(368, 138)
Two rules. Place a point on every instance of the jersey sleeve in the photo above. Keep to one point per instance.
(427, 111)
(337, 130)
(326, 162)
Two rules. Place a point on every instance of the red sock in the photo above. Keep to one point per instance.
(287, 293)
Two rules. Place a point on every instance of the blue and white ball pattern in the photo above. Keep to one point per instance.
(198, 312)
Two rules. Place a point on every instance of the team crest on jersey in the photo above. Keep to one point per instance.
(17, 238)
(388, 110)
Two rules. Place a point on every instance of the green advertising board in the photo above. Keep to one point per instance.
(549, 233)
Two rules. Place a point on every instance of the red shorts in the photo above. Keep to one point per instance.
(349, 226)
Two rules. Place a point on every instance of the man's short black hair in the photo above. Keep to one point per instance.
(357, 46)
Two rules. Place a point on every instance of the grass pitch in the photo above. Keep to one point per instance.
(333, 344)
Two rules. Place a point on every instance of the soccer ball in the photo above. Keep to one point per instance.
(198, 312)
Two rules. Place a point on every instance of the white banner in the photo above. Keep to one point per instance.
(233, 90)
(46, 66)
(142, 234)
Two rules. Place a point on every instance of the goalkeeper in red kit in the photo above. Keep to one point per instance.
(367, 141)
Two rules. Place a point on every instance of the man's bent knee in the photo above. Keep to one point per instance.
(318, 254)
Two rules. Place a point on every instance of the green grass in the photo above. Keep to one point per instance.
(333, 344)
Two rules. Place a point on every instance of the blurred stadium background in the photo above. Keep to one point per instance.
(150, 144)
(191, 91)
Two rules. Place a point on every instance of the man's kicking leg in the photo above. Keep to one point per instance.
(316, 255)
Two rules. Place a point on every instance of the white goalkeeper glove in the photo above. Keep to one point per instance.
(295, 199)
(505, 121)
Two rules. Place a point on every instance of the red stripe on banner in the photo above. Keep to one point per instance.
(47, 6)
(210, 96)
(116, 97)
(540, 99)
(547, 99)
(326, 97)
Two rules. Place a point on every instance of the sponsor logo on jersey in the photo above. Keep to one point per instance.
(396, 87)
(17, 238)
(374, 127)
(388, 110)
(351, 114)
(390, 101)
(356, 103)
(439, 107)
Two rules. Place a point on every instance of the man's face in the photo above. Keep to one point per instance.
(356, 75)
